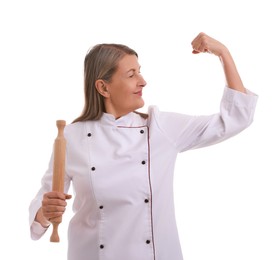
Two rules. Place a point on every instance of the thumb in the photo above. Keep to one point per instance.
(68, 196)
(195, 52)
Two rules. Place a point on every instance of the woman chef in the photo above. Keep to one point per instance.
(121, 162)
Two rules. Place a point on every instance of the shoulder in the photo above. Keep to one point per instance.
(77, 129)
(156, 115)
(74, 127)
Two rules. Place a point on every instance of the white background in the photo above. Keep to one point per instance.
(226, 195)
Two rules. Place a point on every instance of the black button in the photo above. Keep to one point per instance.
(93, 168)
(146, 200)
(102, 246)
(101, 207)
(147, 241)
(141, 131)
(89, 134)
(143, 162)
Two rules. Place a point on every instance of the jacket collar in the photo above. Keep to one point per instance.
(129, 120)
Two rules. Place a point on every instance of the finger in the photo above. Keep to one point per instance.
(195, 44)
(199, 43)
(54, 202)
(53, 215)
(53, 211)
(200, 48)
(55, 194)
(198, 37)
(56, 219)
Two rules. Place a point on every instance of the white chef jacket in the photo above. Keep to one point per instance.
(122, 174)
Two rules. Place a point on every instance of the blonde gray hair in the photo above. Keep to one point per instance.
(100, 63)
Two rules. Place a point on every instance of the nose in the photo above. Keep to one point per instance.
(142, 82)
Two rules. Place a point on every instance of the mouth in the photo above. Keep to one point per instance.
(139, 93)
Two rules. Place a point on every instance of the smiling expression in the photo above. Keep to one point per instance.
(124, 91)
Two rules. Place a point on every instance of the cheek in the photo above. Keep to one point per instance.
(122, 94)
(120, 97)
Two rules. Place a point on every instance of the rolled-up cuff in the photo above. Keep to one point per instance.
(37, 230)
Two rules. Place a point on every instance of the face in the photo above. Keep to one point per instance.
(124, 91)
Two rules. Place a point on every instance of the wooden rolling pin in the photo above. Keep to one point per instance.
(58, 172)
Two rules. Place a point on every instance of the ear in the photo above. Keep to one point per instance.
(101, 87)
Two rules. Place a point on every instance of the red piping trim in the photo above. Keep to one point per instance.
(151, 197)
(149, 181)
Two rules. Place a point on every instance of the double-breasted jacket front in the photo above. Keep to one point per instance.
(122, 175)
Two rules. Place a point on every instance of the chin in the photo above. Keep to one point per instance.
(136, 105)
(140, 104)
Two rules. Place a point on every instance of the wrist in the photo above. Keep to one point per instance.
(41, 219)
(225, 55)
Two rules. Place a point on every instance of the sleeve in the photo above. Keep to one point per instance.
(190, 132)
(36, 230)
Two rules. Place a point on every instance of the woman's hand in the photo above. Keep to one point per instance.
(53, 206)
(204, 43)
